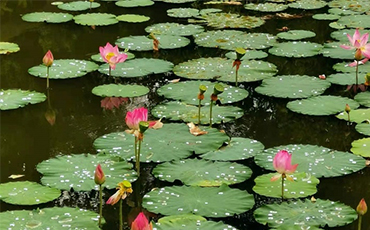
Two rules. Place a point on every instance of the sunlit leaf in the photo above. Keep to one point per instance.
(143, 43)
(95, 19)
(118, 90)
(296, 34)
(78, 5)
(8, 47)
(182, 12)
(295, 49)
(48, 17)
(132, 17)
(266, 7)
(356, 115)
(16, 98)
(134, 3)
(174, 29)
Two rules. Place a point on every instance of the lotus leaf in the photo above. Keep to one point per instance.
(209, 11)
(316, 160)
(334, 50)
(8, 47)
(345, 78)
(138, 67)
(293, 86)
(353, 5)
(182, 12)
(78, 5)
(178, 111)
(321, 105)
(48, 17)
(187, 92)
(158, 146)
(344, 67)
(229, 20)
(50, 218)
(175, 1)
(209, 202)
(249, 54)
(16, 98)
(335, 25)
(27, 193)
(308, 4)
(143, 43)
(134, 3)
(238, 148)
(266, 7)
(361, 147)
(118, 90)
(98, 57)
(296, 49)
(363, 98)
(305, 213)
(342, 12)
(174, 29)
(296, 34)
(132, 17)
(95, 19)
(363, 128)
(205, 173)
(64, 68)
(328, 17)
(221, 69)
(356, 115)
(341, 35)
(77, 171)
(355, 21)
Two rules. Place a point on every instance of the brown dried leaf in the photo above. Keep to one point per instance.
(195, 130)
(15, 176)
(174, 80)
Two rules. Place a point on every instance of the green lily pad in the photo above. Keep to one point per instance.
(353, 5)
(316, 160)
(321, 105)
(118, 90)
(8, 47)
(305, 213)
(136, 18)
(78, 5)
(334, 50)
(209, 11)
(249, 54)
(342, 12)
(296, 34)
(182, 12)
(304, 185)
(343, 67)
(50, 218)
(296, 49)
(16, 98)
(293, 86)
(95, 19)
(233, 39)
(341, 35)
(355, 21)
(77, 171)
(195, 172)
(48, 17)
(238, 148)
(187, 92)
(308, 4)
(138, 67)
(329, 17)
(344, 79)
(98, 57)
(175, 1)
(27, 193)
(229, 20)
(178, 111)
(266, 7)
(210, 202)
(143, 43)
(336, 25)
(134, 3)
(363, 128)
(363, 98)
(159, 146)
(174, 29)
(221, 69)
(361, 147)
(356, 115)
(64, 68)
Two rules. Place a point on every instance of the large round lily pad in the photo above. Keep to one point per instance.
(363, 98)
(48, 17)
(175, 1)
(308, 4)
(304, 185)
(95, 19)
(159, 146)
(174, 29)
(8, 47)
(230, 20)
(316, 160)
(27, 193)
(64, 68)
(77, 171)
(210, 202)
(363, 128)
(118, 90)
(342, 11)
(16, 98)
(179, 111)
(135, 18)
(78, 5)
(195, 172)
(138, 67)
(296, 49)
(182, 12)
(266, 7)
(361, 147)
(134, 3)
(356, 115)
(187, 92)
(329, 17)
(143, 43)
(355, 21)
(293, 86)
(321, 105)
(341, 35)
(249, 54)
(334, 50)
(345, 78)
(237, 148)
(296, 34)
(221, 69)
(344, 67)
(355, 5)
(305, 213)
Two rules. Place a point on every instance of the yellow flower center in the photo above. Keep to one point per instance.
(109, 56)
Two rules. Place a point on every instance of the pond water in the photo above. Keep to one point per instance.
(27, 138)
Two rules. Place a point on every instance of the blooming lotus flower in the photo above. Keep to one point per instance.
(111, 55)
(124, 189)
(359, 42)
(99, 176)
(48, 59)
(133, 118)
(282, 164)
(141, 223)
(362, 207)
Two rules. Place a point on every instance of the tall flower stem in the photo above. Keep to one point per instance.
(199, 105)
(210, 114)
(282, 186)
(137, 157)
(356, 76)
(47, 77)
(236, 78)
(359, 222)
(110, 71)
(101, 204)
(120, 215)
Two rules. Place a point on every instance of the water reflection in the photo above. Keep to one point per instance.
(109, 103)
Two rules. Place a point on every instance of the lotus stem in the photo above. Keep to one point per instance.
(282, 186)
(356, 77)
(101, 204)
(210, 114)
(359, 222)
(138, 159)
(199, 105)
(236, 78)
(110, 71)
(120, 215)
(47, 77)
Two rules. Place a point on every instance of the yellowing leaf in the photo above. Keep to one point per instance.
(195, 130)
(15, 176)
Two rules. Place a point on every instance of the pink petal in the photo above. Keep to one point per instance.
(364, 38)
(291, 169)
(356, 35)
(346, 47)
(353, 64)
(351, 40)
(114, 198)
(276, 177)
(366, 51)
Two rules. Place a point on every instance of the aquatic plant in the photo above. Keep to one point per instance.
(361, 211)
(99, 179)
(48, 61)
(202, 90)
(112, 56)
(141, 223)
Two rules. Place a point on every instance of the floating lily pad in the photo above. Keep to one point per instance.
(229, 20)
(195, 172)
(344, 79)
(361, 147)
(266, 7)
(238, 148)
(308, 4)
(329, 17)
(143, 43)
(27, 193)
(296, 49)
(353, 5)
(78, 5)
(98, 57)
(342, 12)
(296, 34)
(337, 26)
(16, 98)
(50, 218)
(187, 92)
(363, 128)
(174, 29)
(209, 11)
(95, 19)
(210, 202)
(8, 47)
(48, 17)
(175, 1)
(77, 171)
(305, 213)
(356, 115)
(293, 86)
(182, 12)
(321, 105)
(343, 67)
(178, 111)
(159, 146)
(363, 98)
(334, 50)
(341, 35)
(355, 21)
(221, 69)
(316, 160)
(132, 17)
(117, 90)
(249, 54)
(138, 67)
(134, 3)
(64, 68)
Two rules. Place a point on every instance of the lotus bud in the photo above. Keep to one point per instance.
(358, 55)
(141, 223)
(202, 90)
(48, 59)
(143, 126)
(99, 175)
(367, 79)
(347, 108)
(361, 207)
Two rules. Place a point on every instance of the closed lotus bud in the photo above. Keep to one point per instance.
(143, 126)
(99, 175)
(48, 59)
(362, 207)
(367, 79)
(358, 54)
(347, 108)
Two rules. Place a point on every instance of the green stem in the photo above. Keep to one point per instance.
(137, 163)
(110, 71)
(236, 78)
(282, 186)
(359, 222)
(356, 76)
(349, 120)
(47, 78)
(200, 101)
(120, 215)
(210, 114)
(138, 159)
(101, 204)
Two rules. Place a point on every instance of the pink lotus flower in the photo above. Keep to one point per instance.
(353, 64)
(282, 164)
(362, 207)
(111, 55)
(134, 117)
(99, 176)
(359, 43)
(141, 223)
(48, 59)
(124, 189)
